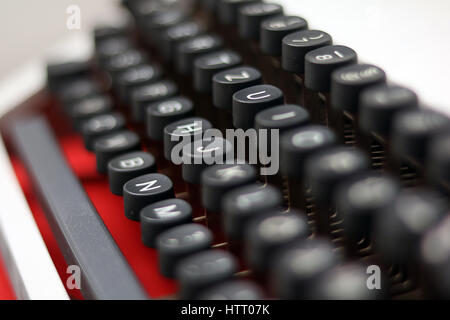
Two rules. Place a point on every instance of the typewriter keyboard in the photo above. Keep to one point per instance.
(224, 150)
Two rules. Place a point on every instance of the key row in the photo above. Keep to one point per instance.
(343, 155)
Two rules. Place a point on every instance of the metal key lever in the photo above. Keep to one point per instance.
(80, 233)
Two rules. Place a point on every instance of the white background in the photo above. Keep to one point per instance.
(409, 39)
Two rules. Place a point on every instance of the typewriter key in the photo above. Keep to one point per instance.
(191, 49)
(281, 118)
(113, 145)
(180, 242)
(161, 216)
(163, 113)
(146, 95)
(359, 202)
(267, 235)
(136, 77)
(412, 131)
(143, 191)
(129, 166)
(296, 145)
(60, 74)
(228, 10)
(99, 126)
(89, 107)
(204, 69)
(154, 26)
(207, 65)
(197, 156)
(251, 16)
(401, 224)
(324, 171)
(294, 48)
(110, 48)
(225, 84)
(273, 31)
(243, 204)
(347, 83)
(296, 45)
(249, 101)
(319, 65)
(347, 282)
(297, 269)
(216, 181)
(121, 62)
(173, 36)
(202, 270)
(379, 105)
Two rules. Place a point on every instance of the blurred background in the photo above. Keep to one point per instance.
(29, 28)
(409, 39)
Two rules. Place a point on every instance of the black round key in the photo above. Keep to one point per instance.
(189, 50)
(99, 126)
(251, 16)
(207, 65)
(179, 242)
(412, 131)
(59, 74)
(154, 26)
(298, 144)
(105, 32)
(227, 82)
(143, 191)
(142, 10)
(89, 107)
(320, 64)
(273, 31)
(379, 104)
(228, 10)
(348, 82)
(324, 170)
(200, 154)
(182, 132)
(173, 36)
(110, 48)
(361, 199)
(297, 269)
(245, 203)
(219, 179)
(137, 76)
(438, 161)
(146, 95)
(282, 117)
(129, 166)
(113, 145)
(78, 90)
(296, 45)
(435, 259)
(161, 216)
(266, 236)
(202, 270)
(404, 221)
(347, 282)
(121, 62)
(249, 101)
(162, 113)
(233, 290)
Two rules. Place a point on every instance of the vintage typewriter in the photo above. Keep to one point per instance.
(334, 183)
